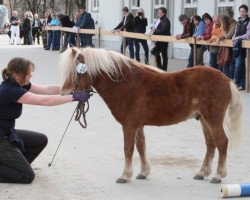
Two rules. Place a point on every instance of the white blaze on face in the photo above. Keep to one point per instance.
(81, 68)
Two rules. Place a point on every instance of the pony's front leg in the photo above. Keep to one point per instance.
(141, 148)
(129, 143)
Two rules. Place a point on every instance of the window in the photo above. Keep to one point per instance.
(156, 5)
(135, 5)
(225, 7)
(190, 7)
(95, 5)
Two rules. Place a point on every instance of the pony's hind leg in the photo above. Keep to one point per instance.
(221, 142)
(141, 148)
(129, 143)
(206, 166)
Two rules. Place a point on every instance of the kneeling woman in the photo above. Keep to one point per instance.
(19, 148)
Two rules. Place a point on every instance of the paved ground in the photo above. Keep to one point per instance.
(89, 161)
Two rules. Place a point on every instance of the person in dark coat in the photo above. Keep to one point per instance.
(161, 27)
(36, 28)
(188, 31)
(242, 32)
(26, 29)
(84, 22)
(127, 24)
(69, 38)
(140, 24)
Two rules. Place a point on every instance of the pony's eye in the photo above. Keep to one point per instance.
(81, 68)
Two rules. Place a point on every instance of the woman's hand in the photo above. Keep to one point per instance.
(81, 96)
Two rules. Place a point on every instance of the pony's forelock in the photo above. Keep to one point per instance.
(67, 64)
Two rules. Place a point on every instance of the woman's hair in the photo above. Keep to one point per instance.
(196, 17)
(20, 66)
(226, 22)
(140, 10)
(164, 10)
(207, 16)
(244, 6)
(183, 17)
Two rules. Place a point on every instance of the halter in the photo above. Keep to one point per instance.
(81, 69)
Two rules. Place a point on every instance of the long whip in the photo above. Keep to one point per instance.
(62, 137)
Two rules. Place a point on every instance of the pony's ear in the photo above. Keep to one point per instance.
(74, 51)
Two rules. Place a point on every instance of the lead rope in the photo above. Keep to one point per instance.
(80, 111)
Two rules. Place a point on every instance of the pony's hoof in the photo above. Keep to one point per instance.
(215, 181)
(121, 180)
(140, 176)
(198, 177)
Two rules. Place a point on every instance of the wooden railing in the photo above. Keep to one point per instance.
(99, 32)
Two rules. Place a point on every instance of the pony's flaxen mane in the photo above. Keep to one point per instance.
(98, 61)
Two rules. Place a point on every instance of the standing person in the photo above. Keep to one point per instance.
(198, 32)
(36, 28)
(83, 22)
(66, 22)
(31, 17)
(50, 32)
(14, 28)
(26, 29)
(91, 26)
(208, 20)
(19, 148)
(228, 26)
(55, 39)
(216, 33)
(162, 27)
(188, 31)
(45, 36)
(128, 24)
(140, 24)
(242, 32)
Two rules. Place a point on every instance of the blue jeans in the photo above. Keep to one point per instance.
(228, 70)
(49, 39)
(190, 58)
(86, 40)
(72, 39)
(56, 40)
(213, 60)
(130, 43)
(240, 70)
(137, 49)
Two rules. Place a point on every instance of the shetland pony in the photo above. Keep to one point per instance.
(140, 95)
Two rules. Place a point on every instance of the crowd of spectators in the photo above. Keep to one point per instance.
(212, 29)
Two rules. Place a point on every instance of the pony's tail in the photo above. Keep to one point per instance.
(234, 117)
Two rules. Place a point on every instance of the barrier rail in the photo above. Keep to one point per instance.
(99, 32)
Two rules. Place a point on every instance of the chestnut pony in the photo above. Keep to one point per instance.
(140, 95)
